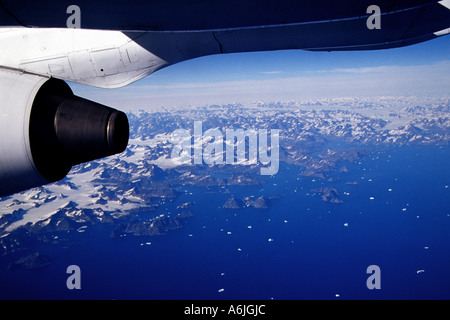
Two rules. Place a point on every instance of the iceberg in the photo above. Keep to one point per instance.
(420, 271)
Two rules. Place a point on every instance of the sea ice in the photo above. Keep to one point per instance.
(82, 229)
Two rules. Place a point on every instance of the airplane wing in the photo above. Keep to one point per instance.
(153, 34)
(199, 15)
(45, 129)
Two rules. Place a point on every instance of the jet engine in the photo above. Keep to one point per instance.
(45, 129)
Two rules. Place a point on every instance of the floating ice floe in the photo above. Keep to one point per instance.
(82, 229)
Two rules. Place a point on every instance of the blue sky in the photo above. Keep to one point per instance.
(422, 69)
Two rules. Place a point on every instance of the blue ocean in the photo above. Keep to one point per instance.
(395, 214)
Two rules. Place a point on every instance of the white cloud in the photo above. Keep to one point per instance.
(394, 69)
(431, 79)
(271, 72)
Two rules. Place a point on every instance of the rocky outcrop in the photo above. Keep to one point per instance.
(232, 203)
(330, 195)
(247, 202)
(157, 226)
(31, 261)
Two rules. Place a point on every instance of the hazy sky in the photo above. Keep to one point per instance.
(420, 70)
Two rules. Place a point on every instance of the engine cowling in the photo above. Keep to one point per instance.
(45, 129)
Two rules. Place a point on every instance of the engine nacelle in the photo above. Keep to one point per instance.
(45, 129)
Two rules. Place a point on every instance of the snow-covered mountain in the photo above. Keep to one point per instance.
(146, 177)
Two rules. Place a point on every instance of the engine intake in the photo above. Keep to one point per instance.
(66, 130)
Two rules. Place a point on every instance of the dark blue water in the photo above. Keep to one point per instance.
(397, 217)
